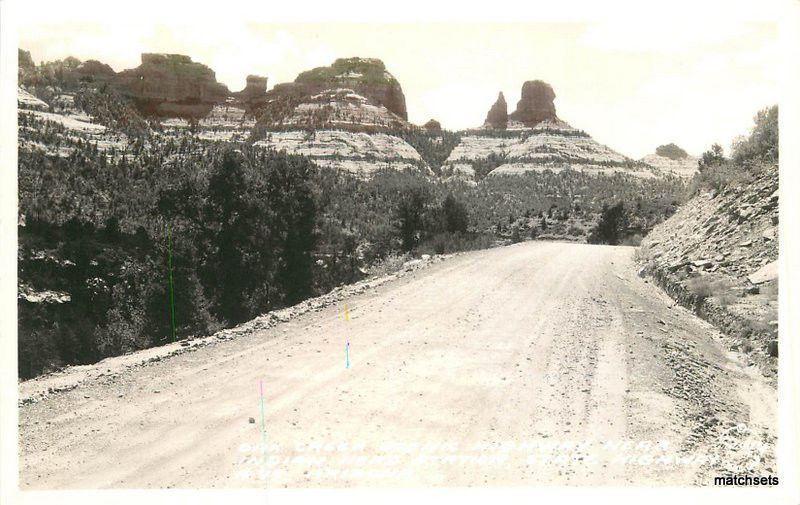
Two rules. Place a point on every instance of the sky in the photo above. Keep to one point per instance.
(633, 82)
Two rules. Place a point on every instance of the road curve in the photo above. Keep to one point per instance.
(538, 363)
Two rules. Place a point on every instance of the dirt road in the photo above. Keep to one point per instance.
(538, 363)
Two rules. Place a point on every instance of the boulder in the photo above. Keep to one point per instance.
(536, 104)
(764, 274)
(702, 263)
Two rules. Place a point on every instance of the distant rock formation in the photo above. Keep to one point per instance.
(26, 67)
(549, 146)
(536, 140)
(535, 105)
(497, 117)
(94, 71)
(59, 73)
(366, 76)
(433, 126)
(671, 151)
(25, 60)
(669, 159)
(255, 89)
(172, 85)
(352, 93)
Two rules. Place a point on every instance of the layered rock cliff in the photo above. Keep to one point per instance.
(172, 85)
(366, 76)
(535, 104)
(355, 107)
(347, 116)
(497, 117)
(533, 139)
(356, 94)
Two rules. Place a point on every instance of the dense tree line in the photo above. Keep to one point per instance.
(240, 242)
(245, 230)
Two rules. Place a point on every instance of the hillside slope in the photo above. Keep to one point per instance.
(718, 254)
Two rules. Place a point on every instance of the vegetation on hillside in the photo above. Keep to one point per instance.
(368, 71)
(748, 155)
(434, 148)
(248, 230)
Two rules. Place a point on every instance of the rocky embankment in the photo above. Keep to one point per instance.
(718, 256)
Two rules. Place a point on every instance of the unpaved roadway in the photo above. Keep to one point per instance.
(538, 363)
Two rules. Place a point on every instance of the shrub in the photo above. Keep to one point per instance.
(762, 143)
(748, 154)
(711, 158)
(634, 240)
(455, 214)
(719, 177)
(611, 227)
(705, 287)
(446, 243)
(575, 231)
(700, 287)
(390, 264)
